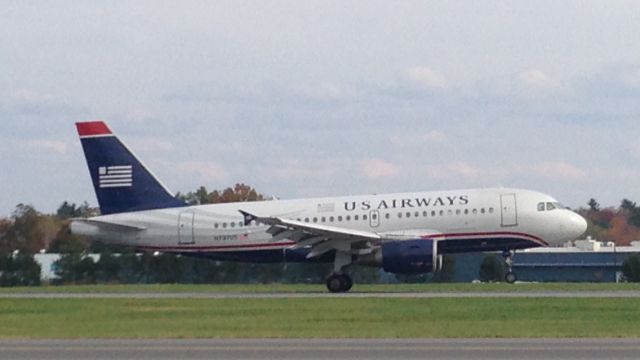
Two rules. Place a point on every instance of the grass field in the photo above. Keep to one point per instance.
(318, 317)
(320, 288)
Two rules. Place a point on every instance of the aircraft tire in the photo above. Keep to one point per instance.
(349, 283)
(338, 283)
(510, 277)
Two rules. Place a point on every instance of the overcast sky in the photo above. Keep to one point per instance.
(306, 98)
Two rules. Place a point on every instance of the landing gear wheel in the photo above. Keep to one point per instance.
(349, 283)
(510, 276)
(337, 283)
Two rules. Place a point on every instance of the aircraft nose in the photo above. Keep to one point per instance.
(577, 225)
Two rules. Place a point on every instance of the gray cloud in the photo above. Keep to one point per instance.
(326, 98)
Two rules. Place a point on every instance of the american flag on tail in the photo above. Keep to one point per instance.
(115, 176)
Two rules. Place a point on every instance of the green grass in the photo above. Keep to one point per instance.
(286, 288)
(319, 317)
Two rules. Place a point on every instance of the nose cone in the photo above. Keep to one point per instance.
(576, 226)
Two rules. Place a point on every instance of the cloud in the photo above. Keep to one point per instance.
(206, 171)
(59, 147)
(324, 91)
(149, 144)
(25, 102)
(289, 169)
(378, 168)
(536, 79)
(424, 77)
(557, 170)
(452, 170)
(429, 137)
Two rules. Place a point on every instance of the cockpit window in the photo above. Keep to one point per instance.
(550, 206)
(541, 206)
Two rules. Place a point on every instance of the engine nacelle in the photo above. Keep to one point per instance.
(406, 257)
(410, 256)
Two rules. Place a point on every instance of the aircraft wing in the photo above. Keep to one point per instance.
(321, 238)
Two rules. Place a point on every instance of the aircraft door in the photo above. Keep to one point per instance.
(185, 228)
(509, 210)
(374, 218)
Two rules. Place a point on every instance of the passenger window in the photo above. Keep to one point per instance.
(457, 211)
(324, 219)
(224, 225)
(433, 213)
(541, 206)
(306, 219)
(466, 211)
(482, 211)
(425, 213)
(417, 214)
(490, 210)
(441, 212)
(355, 217)
(474, 211)
(331, 219)
(364, 217)
(374, 216)
(386, 216)
(215, 226)
(233, 224)
(240, 223)
(340, 218)
(550, 206)
(399, 215)
(315, 219)
(408, 214)
(449, 212)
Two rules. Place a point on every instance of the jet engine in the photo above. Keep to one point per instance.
(405, 257)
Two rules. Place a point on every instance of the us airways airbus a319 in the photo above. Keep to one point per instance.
(405, 233)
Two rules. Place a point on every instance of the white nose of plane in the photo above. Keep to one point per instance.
(575, 225)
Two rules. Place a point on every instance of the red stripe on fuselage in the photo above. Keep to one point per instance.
(483, 234)
(92, 128)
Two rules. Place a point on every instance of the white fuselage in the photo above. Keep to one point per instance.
(477, 219)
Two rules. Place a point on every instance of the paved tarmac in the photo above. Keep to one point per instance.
(521, 349)
(201, 295)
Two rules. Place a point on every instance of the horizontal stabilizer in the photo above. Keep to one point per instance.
(111, 226)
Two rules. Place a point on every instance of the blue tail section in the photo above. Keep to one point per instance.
(122, 183)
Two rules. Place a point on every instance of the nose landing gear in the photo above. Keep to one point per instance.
(510, 277)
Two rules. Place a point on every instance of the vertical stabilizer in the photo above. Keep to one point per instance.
(121, 182)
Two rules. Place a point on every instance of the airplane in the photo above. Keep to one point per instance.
(402, 233)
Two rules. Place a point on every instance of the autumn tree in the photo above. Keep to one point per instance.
(70, 210)
(238, 193)
(29, 231)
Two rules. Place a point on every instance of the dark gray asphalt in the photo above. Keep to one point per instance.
(201, 295)
(521, 349)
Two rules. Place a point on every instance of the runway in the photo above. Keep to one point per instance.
(522, 349)
(354, 295)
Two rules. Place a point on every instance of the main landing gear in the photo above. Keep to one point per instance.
(509, 276)
(339, 282)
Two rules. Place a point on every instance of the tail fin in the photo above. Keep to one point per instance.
(122, 183)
